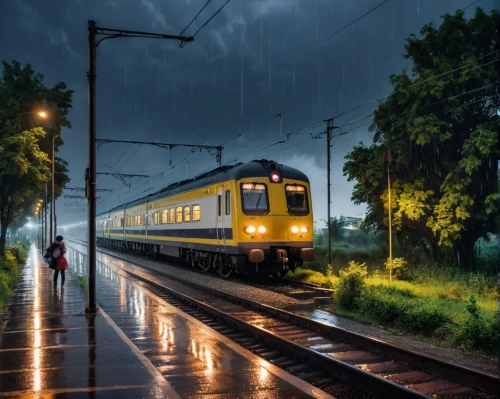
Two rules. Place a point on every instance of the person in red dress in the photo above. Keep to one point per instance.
(61, 262)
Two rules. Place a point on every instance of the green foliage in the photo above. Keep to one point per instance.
(83, 281)
(337, 228)
(312, 277)
(441, 126)
(477, 332)
(10, 268)
(26, 140)
(402, 310)
(398, 266)
(351, 284)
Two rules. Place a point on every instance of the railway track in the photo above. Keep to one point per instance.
(287, 287)
(340, 362)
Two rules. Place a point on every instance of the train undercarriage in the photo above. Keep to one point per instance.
(276, 262)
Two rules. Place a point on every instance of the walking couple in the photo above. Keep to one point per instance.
(56, 260)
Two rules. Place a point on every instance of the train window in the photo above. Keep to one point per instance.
(296, 199)
(121, 222)
(254, 198)
(196, 213)
(164, 216)
(228, 202)
(178, 216)
(219, 200)
(171, 216)
(187, 213)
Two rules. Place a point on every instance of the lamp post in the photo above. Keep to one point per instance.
(43, 114)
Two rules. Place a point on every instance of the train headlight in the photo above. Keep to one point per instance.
(249, 229)
(262, 229)
(294, 229)
(304, 229)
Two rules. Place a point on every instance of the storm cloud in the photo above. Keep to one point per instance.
(254, 60)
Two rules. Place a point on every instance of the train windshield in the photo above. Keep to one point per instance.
(296, 199)
(254, 198)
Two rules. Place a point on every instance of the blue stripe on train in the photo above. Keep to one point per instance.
(181, 233)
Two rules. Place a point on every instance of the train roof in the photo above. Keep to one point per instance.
(256, 168)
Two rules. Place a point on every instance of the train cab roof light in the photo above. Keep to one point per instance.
(275, 177)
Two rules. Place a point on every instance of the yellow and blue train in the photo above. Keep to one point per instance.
(245, 218)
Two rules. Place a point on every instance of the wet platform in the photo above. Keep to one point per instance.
(137, 346)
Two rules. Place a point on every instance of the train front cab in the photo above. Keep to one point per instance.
(275, 225)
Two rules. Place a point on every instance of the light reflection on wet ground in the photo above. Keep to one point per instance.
(195, 363)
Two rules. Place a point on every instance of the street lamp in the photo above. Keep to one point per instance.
(53, 217)
(41, 114)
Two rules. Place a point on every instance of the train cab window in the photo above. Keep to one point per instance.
(196, 213)
(187, 213)
(171, 215)
(296, 199)
(254, 198)
(228, 202)
(178, 214)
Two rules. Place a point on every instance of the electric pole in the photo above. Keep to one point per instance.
(45, 214)
(388, 161)
(90, 172)
(329, 128)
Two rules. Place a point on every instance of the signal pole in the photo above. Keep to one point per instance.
(329, 128)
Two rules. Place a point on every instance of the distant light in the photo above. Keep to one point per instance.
(43, 114)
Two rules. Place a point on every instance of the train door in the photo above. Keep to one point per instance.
(106, 229)
(221, 237)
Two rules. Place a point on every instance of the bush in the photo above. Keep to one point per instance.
(477, 332)
(398, 267)
(402, 309)
(351, 285)
(10, 267)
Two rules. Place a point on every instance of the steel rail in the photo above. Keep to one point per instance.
(460, 374)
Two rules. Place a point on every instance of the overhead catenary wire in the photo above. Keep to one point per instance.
(212, 17)
(356, 20)
(421, 82)
(196, 16)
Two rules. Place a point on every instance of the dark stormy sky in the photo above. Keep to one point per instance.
(254, 60)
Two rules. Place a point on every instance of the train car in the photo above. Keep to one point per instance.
(245, 218)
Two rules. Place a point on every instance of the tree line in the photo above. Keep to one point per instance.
(441, 124)
(26, 142)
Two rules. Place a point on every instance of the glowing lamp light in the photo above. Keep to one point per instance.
(294, 229)
(275, 178)
(262, 229)
(249, 229)
(304, 229)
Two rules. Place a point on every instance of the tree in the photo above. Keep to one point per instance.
(337, 228)
(26, 140)
(23, 170)
(441, 126)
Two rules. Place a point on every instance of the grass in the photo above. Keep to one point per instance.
(82, 280)
(10, 268)
(451, 307)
